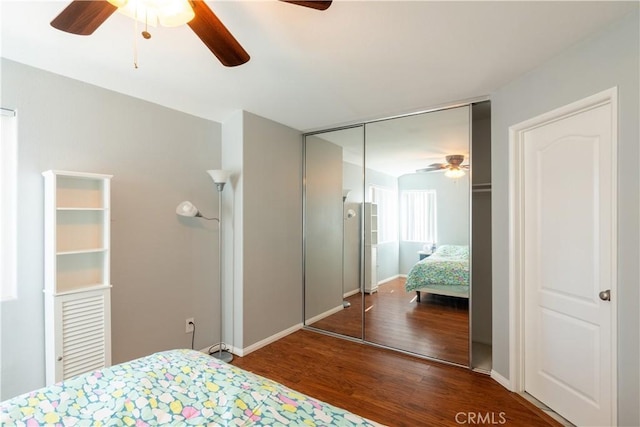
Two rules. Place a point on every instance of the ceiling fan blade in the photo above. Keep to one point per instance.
(215, 35)
(433, 167)
(318, 4)
(83, 17)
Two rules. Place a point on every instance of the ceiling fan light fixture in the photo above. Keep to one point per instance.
(175, 13)
(454, 172)
(118, 3)
(168, 13)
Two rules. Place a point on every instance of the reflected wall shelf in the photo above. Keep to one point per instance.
(77, 273)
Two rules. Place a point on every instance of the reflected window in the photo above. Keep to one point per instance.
(386, 199)
(419, 221)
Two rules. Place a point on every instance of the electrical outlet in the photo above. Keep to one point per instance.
(188, 328)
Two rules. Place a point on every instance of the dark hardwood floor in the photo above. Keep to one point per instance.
(438, 326)
(386, 386)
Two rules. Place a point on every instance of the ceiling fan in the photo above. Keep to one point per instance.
(83, 17)
(453, 168)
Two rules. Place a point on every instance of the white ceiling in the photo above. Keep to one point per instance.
(356, 61)
(405, 144)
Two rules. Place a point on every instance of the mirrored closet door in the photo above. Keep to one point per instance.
(387, 233)
(332, 212)
(418, 298)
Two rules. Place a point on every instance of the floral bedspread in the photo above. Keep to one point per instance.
(178, 387)
(447, 267)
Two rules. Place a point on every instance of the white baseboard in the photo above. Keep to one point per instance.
(501, 380)
(241, 352)
(353, 292)
(206, 349)
(325, 314)
(388, 279)
(215, 347)
(253, 347)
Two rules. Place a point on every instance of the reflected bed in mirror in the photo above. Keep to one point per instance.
(445, 272)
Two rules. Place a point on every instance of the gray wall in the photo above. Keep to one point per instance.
(481, 286)
(163, 268)
(264, 228)
(323, 225)
(603, 61)
(272, 225)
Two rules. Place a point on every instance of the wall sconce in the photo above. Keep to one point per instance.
(188, 209)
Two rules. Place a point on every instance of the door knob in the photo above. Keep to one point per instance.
(605, 295)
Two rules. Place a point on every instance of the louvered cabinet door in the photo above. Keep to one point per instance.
(81, 332)
(77, 285)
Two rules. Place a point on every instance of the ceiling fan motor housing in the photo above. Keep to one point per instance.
(455, 159)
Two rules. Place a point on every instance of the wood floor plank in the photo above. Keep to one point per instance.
(438, 326)
(386, 386)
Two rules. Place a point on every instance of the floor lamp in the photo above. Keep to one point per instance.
(220, 178)
(345, 194)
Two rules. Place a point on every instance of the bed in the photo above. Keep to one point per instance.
(445, 272)
(178, 387)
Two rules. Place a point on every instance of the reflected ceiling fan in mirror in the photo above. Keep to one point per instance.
(453, 168)
(83, 17)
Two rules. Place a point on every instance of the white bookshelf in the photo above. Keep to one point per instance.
(370, 247)
(77, 282)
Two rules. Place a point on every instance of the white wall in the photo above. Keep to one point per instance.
(610, 58)
(233, 236)
(452, 198)
(164, 268)
(352, 180)
(388, 255)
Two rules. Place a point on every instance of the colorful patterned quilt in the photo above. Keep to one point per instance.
(446, 269)
(178, 387)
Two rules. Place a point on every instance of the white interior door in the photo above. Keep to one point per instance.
(568, 259)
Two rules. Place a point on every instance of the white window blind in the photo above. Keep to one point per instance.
(386, 199)
(8, 201)
(419, 216)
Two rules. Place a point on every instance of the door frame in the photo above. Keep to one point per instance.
(516, 382)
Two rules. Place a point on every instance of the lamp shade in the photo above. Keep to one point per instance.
(187, 209)
(219, 176)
